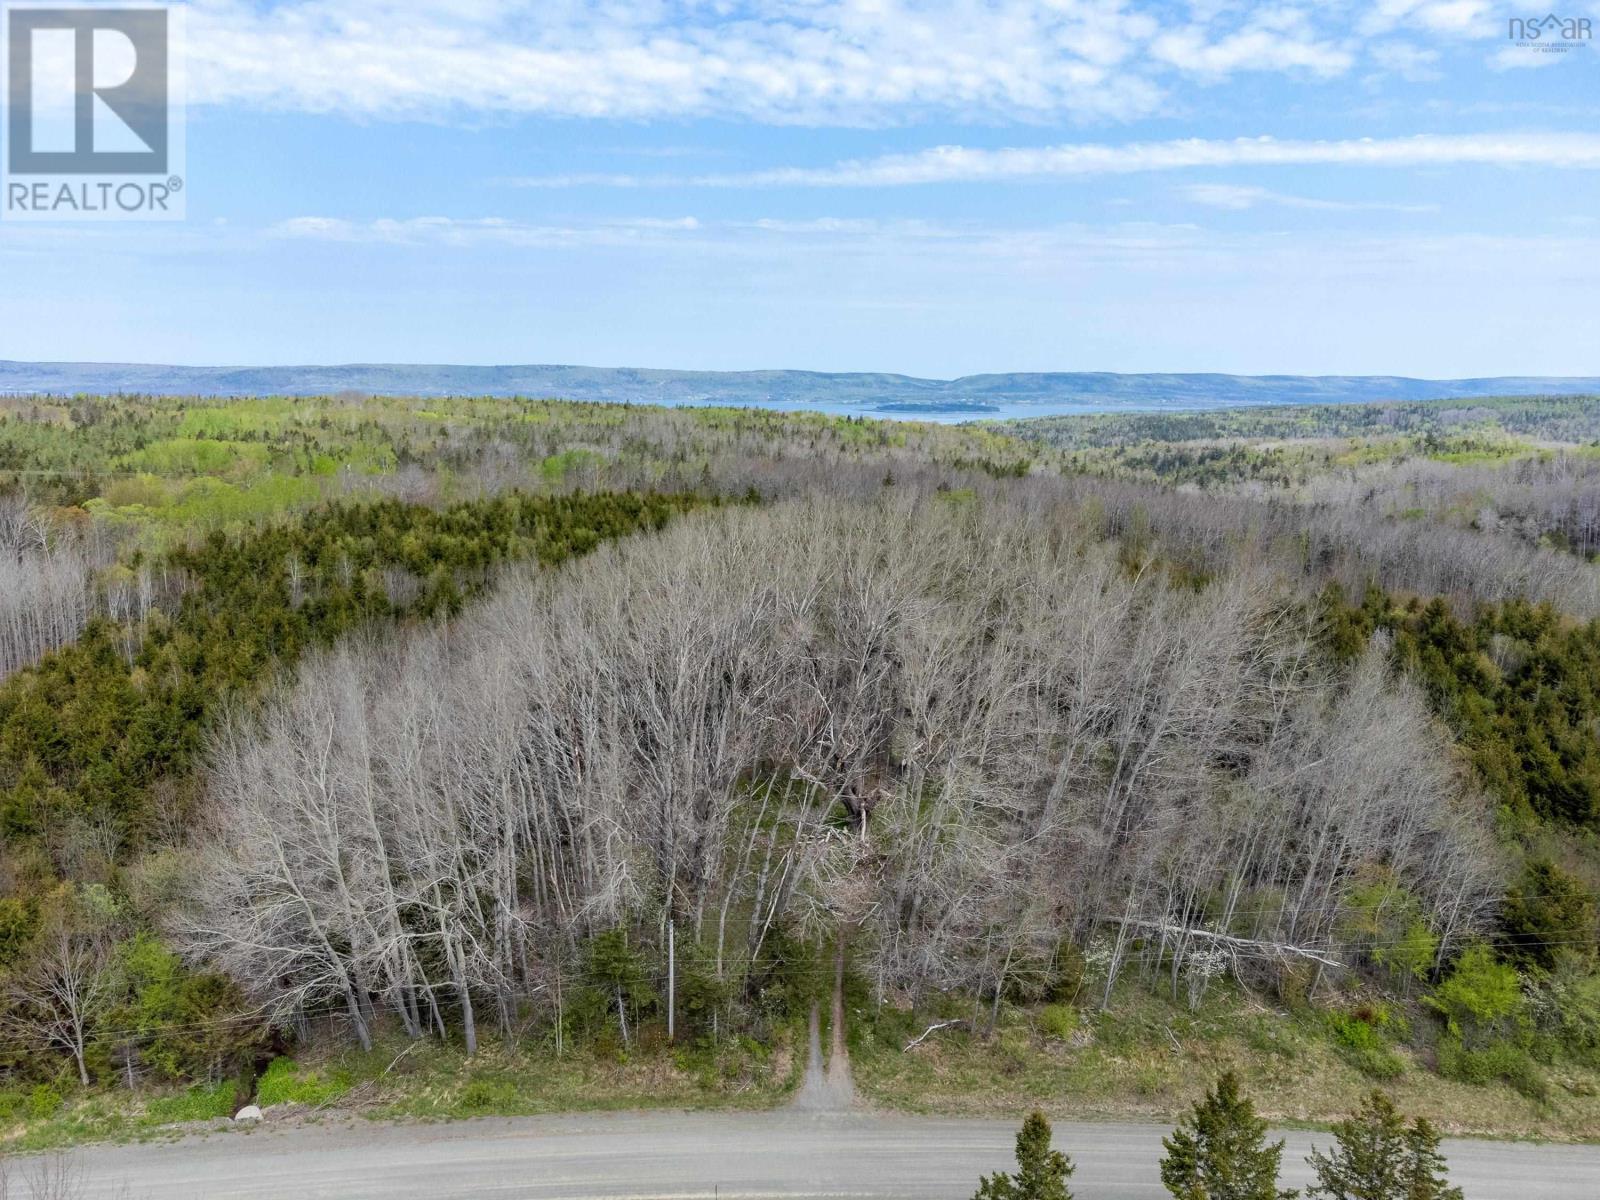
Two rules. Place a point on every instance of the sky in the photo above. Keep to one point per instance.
(937, 188)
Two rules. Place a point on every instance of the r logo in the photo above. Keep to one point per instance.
(88, 91)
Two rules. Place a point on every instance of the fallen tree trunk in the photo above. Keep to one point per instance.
(1257, 946)
(931, 1029)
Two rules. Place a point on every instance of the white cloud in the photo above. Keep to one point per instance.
(1238, 199)
(853, 226)
(483, 231)
(1451, 18)
(1411, 63)
(995, 248)
(763, 237)
(962, 164)
(839, 61)
(585, 179)
(853, 62)
(1273, 39)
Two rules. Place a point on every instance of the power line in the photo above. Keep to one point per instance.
(340, 1008)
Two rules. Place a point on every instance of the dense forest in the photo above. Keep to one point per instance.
(1568, 419)
(356, 718)
(1527, 468)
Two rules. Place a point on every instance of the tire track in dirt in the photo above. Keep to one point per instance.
(831, 1089)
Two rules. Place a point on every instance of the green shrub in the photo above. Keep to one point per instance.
(1572, 1012)
(1268, 1037)
(44, 1102)
(1294, 982)
(1067, 973)
(1480, 995)
(1011, 1052)
(616, 971)
(1387, 922)
(1411, 955)
(1499, 1062)
(1364, 1047)
(284, 1082)
(203, 1102)
(881, 1026)
(1351, 1032)
(1059, 1021)
(22, 1104)
(1148, 1081)
(1378, 1063)
(17, 925)
(174, 1013)
(488, 1096)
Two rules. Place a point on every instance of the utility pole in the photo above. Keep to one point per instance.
(558, 1005)
(672, 979)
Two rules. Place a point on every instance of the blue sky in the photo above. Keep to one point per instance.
(954, 186)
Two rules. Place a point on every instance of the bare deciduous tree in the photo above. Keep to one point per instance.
(62, 990)
(957, 731)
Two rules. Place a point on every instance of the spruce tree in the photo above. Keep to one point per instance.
(1220, 1151)
(1041, 1172)
(1379, 1158)
(1426, 1176)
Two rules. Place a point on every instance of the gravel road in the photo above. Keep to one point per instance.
(723, 1156)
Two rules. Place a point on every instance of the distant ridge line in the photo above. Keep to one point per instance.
(865, 391)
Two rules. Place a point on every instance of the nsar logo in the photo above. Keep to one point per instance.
(1550, 33)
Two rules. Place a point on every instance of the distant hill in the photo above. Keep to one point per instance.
(889, 395)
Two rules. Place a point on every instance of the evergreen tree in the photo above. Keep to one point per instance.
(1379, 1158)
(1425, 1170)
(1220, 1150)
(1549, 916)
(1041, 1172)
